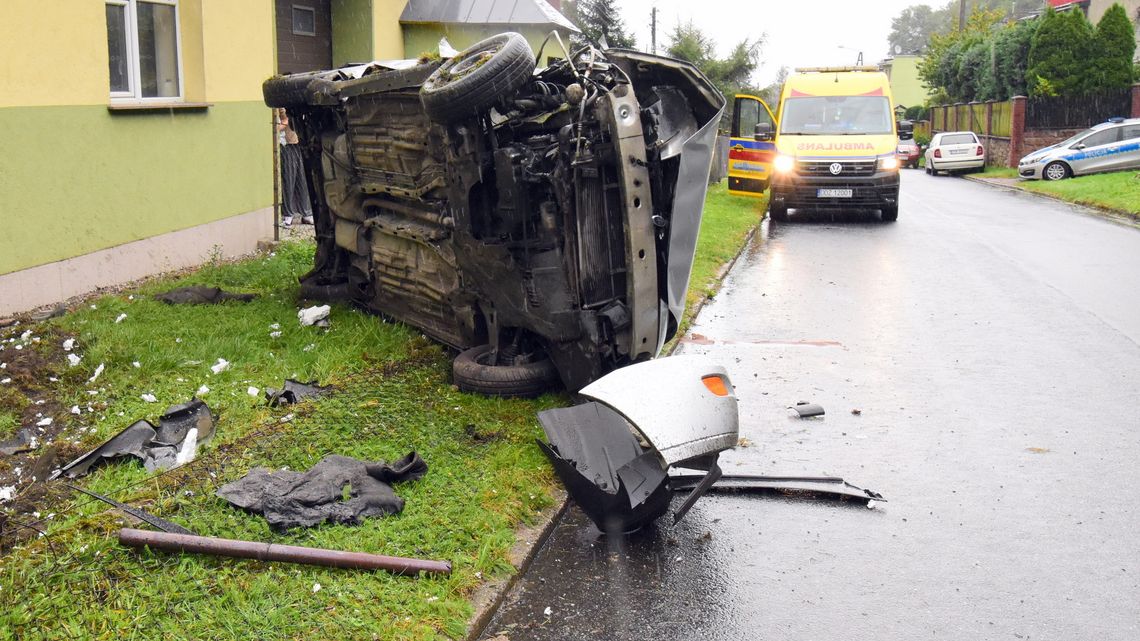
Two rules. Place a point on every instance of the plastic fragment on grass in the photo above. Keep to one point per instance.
(44, 422)
(120, 318)
(252, 391)
(221, 366)
(149, 398)
(316, 588)
(136, 364)
(73, 360)
(317, 315)
(275, 334)
(293, 392)
(5, 381)
(7, 493)
(98, 371)
(75, 410)
(201, 295)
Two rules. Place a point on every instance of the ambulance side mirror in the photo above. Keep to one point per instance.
(763, 131)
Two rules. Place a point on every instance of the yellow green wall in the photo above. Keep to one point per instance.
(351, 31)
(387, 40)
(76, 177)
(905, 84)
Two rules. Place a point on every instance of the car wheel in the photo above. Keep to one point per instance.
(291, 90)
(778, 213)
(1055, 170)
(473, 371)
(890, 214)
(476, 77)
(929, 172)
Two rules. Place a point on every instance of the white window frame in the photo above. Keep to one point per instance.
(293, 23)
(134, 94)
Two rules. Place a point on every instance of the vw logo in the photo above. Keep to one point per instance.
(836, 168)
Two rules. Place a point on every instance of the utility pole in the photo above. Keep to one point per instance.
(653, 31)
(961, 15)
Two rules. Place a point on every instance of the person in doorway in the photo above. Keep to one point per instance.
(295, 201)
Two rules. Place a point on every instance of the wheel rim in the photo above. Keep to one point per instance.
(457, 68)
(1055, 172)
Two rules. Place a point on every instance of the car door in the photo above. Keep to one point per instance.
(1093, 152)
(750, 152)
(1125, 153)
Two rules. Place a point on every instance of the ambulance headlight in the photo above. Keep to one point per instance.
(783, 164)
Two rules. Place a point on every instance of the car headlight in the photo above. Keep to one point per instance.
(784, 164)
(889, 163)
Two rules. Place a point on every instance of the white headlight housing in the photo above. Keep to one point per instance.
(889, 163)
(784, 164)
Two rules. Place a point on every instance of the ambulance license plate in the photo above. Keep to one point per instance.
(834, 193)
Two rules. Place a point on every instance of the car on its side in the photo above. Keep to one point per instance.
(1109, 146)
(543, 222)
(952, 151)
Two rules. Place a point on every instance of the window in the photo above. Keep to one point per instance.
(831, 115)
(144, 50)
(958, 139)
(1130, 132)
(1102, 137)
(304, 20)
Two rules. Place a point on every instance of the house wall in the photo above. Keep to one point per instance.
(424, 38)
(77, 177)
(387, 39)
(352, 31)
(906, 87)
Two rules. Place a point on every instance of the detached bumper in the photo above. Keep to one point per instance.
(867, 192)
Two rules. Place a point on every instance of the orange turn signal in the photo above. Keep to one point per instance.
(715, 384)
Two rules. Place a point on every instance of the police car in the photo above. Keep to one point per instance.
(1111, 146)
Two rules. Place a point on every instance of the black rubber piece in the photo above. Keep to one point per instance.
(290, 90)
(471, 374)
(448, 99)
(778, 213)
(890, 214)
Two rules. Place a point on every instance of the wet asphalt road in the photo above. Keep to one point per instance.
(992, 342)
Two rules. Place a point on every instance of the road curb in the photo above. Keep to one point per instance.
(529, 540)
(1113, 215)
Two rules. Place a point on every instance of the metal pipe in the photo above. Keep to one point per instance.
(273, 552)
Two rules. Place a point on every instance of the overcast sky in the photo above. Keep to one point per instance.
(801, 33)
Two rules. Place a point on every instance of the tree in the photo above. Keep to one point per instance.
(730, 74)
(1115, 46)
(1062, 54)
(912, 28)
(939, 69)
(1011, 58)
(599, 20)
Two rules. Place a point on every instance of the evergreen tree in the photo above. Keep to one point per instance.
(1062, 55)
(1011, 57)
(1115, 46)
(598, 20)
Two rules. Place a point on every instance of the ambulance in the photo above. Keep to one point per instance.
(833, 143)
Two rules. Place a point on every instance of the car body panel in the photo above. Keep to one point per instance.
(749, 158)
(954, 155)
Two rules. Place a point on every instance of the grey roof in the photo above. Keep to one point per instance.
(505, 12)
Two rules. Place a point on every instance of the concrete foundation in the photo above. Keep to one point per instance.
(56, 282)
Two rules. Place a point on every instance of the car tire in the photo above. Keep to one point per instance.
(291, 90)
(470, 83)
(1056, 170)
(929, 171)
(778, 213)
(890, 214)
(471, 372)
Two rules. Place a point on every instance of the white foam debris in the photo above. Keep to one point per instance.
(221, 366)
(7, 493)
(149, 398)
(136, 364)
(44, 422)
(274, 334)
(73, 359)
(98, 371)
(69, 344)
(26, 336)
(275, 326)
(548, 611)
(314, 315)
(75, 410)
(308, 348)
(316, 588)
(203, 390)
(189, 448)
(252, 391)
(120, 318)
(5, 381)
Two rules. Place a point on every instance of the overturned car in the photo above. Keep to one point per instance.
(542, 222)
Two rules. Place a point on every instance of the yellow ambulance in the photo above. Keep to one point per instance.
(835, 142)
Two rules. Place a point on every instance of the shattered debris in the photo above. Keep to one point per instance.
(201, 295)
(293, 392)
(98, 371)
(73, 359)
(221, 366)
(317, 315)
(22, 441)
(290, 499)
(172, 443)
(807, 410)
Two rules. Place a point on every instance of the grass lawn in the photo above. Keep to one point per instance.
(1118, 191)
(393, 395)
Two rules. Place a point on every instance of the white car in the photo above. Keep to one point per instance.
(952, 151)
